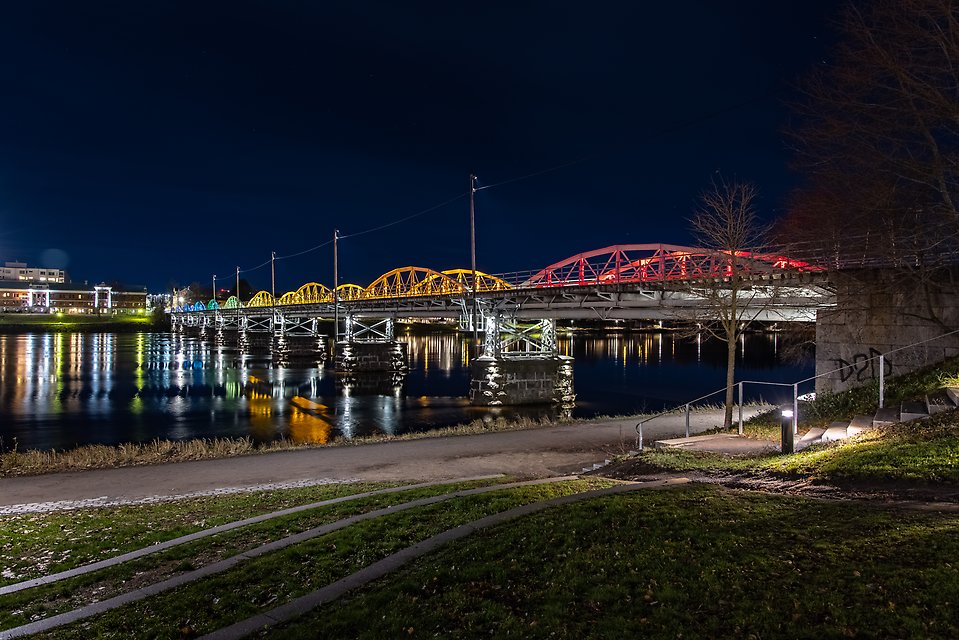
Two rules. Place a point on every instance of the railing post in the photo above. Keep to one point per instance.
(687, 420)
(882, 379)
(740, 408)
(796, 408)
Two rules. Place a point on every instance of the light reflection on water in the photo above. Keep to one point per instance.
(63, 390)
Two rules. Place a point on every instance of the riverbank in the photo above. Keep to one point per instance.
(36, 462)
(14, 323)
(159, 451)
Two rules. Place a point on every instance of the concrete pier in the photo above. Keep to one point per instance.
(524, 380)
(356, 357)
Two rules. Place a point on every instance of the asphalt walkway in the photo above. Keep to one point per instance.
(537, 452)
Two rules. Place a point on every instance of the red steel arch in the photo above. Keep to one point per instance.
(656, 263)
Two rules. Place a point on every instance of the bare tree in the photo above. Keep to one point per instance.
(876, 136)
(726, 222)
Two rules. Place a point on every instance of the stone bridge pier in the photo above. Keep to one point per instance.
(520, 365)
(370, 346)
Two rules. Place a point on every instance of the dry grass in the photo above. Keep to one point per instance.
(19, 463)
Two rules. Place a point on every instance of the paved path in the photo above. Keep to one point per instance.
(531, 453)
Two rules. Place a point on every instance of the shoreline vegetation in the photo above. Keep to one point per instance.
(98, 456)
(14, 323)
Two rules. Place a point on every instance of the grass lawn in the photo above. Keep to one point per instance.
(74, 322)
(693, 562)
(268, 581)
(43, 601)
(921, 451)
(36, 544)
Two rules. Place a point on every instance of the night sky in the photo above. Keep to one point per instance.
(160, 143)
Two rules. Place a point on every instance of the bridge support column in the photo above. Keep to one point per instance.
(370, 347)
(297, 337)
(520, 365)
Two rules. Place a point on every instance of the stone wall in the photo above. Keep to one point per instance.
(512, 381)
(878, 313)
(371, 356)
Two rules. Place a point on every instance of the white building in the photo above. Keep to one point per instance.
(20, 272)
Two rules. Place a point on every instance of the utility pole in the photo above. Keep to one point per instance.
(273, 276)
(473, 255)
(238, 303)
(336, 286)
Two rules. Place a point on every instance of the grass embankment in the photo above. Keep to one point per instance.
(265, 582)
(124, 529)
(920, 451)
(689, 562)
(32, 322)
(925, 451)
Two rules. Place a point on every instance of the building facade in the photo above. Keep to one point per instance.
(40, 297)
(20, 272)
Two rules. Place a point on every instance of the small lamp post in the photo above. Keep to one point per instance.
(786, 424)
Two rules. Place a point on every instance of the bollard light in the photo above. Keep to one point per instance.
(786, 424)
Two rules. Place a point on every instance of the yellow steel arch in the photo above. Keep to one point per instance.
(261, 299)
(411, 281)
(436, 284)
(349, 292)
(484, 281)
(313, 293)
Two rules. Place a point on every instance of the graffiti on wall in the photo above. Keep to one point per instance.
(863, 367)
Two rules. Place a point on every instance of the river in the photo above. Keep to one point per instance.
(61, 390)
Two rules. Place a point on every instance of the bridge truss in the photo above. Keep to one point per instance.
(640, 281)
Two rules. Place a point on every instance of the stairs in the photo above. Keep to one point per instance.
(936, 402)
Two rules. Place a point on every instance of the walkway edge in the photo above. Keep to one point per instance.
(378, 569)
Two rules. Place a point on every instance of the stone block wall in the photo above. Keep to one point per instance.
(878, 314)
(371, 356)
(513, 381)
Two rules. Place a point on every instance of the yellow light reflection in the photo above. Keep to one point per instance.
(308, 428)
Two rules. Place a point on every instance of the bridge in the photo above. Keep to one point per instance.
(516, 312)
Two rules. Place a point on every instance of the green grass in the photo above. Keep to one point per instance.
(922, 451)
(36, 544)
(863, 400)
(266, 582)
(13, 322)
(694, 562)
(44, 601)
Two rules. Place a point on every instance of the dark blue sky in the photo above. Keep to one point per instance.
(164, 142)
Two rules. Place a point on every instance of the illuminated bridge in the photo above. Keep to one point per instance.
(641, 281)
(517, 311)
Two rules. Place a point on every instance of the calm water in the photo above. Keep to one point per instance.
(63, 390)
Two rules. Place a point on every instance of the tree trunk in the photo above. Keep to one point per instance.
(730, 377)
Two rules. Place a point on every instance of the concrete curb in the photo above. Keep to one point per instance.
(306, 603)
(197, 535)
(228, 563)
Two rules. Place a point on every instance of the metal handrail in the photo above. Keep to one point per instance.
(678, 406)
(795, 386)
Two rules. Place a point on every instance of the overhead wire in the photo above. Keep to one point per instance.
(409, 217)
(679, 126)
